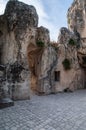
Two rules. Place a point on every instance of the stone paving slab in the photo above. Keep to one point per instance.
(63, 111)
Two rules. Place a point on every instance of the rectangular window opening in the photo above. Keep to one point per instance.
(57, 75)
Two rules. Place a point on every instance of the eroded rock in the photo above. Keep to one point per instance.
(77, 16)
(42, 62)
(71, 74)
(22, 54)
(20, 16)
(29, 61)
(17, 26)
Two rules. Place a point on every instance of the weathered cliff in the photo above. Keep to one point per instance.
(29, 62)
(42, 59)
(25, 53)
(17, 27)
(71, 74)
(77, 17)
(77, 22)
(72, 49)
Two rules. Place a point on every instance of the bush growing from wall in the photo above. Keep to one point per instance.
(66, 64)
(72, 42)
(40, 44)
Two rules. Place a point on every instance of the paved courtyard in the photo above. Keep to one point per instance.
(63, 111)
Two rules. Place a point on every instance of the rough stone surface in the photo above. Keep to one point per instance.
(29, 61)
(47, 67)
(26, 64)
(42, 62)
(77, 17)
(74, 78)
(17, 27)
(43, 35)
(63, 111)
(20, 16)
(77, 22)
(34, 58)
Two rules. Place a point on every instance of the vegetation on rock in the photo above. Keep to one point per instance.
(40, 44)
(72, 42)
(66, 64)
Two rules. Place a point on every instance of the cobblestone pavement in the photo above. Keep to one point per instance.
(63, 111)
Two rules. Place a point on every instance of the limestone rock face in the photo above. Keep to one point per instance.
(77, 17)
(82, 57)
(24, 64)
(17, 30)
(34, 58)
(65, 35)
(43, 35)
(73, 77)
(28, 60)
(42, 62)
(20, 16)
(72, 49)
(77, 22)
(46, 82)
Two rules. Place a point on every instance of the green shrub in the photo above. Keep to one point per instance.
(66, 64)
(72, 42)
(40, 44)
